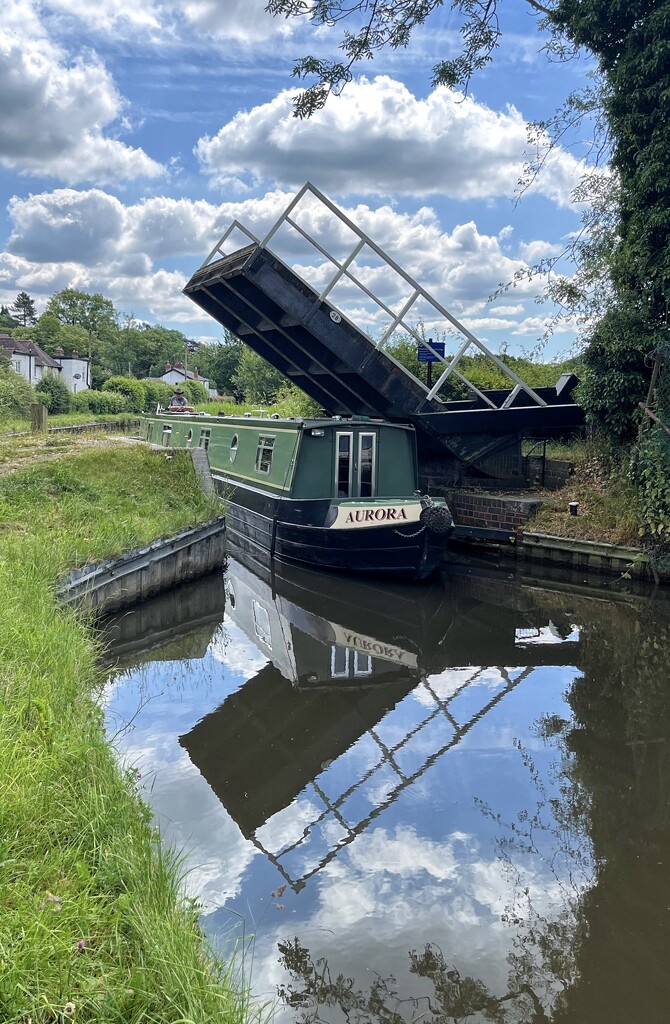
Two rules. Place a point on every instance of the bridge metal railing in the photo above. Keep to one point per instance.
(354, 278)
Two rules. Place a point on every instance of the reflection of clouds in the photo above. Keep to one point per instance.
(288, 825)
(545, 635)
(396, 890)
(232, 647)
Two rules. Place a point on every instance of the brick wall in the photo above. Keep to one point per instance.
(495, 513)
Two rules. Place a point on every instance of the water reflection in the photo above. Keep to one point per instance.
(475, 770)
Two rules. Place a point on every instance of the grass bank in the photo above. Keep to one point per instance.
(94, 926)
(69, 419)
(608, 504)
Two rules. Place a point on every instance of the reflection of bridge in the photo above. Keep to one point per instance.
(274, 740)
(307, 330)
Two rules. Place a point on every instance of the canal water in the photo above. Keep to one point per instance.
(447, 802)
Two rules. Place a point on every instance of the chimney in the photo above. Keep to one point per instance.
(74, 354)
(178, 365)
(59, 352)
(195, 373)
(167, 367)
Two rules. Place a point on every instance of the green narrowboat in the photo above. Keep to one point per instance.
(333, 493)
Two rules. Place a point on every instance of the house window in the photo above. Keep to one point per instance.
(233, 448)
(204, 438)
(343, 465)
(367, 459)
(16, 365)
(264, 453)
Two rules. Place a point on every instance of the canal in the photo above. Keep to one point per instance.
(443, 802)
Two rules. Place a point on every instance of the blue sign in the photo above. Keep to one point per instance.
(424, 355)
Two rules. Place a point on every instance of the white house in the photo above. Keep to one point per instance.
(75, 370)
(28, 359)
(178, 374)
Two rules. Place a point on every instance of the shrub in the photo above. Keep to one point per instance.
(54, 393)
(133, 389)
(16, 394)
(100, 402)
(156, 393)
(196, 392)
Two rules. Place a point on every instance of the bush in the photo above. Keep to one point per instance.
(196, 392)
(54, 393)
(133, 389)
(100, 402)
(156, 393)
(16, 394)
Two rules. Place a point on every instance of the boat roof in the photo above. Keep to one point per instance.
(298, 422)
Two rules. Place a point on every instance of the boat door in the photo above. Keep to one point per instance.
(356, 463)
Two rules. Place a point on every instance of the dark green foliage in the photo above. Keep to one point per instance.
(23, 309)
(222, 361)
(256, 379)
(100, 402)
(196, 392)
(16, 393)
(133, 390)
(616, 372)
(6, 320)
(156, 393)
(53, 392)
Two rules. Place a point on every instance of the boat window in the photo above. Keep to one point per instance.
(262, 624)
(266, 445)
(167, 433)
(362, 664)
(204, 438)
(367, 459)
(233, 448)
(339, 662)
(343, 465)
(189, 437)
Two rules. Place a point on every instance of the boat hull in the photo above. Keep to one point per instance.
(294, 532)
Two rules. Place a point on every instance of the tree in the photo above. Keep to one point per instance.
(23, 309)
(6, 320)
(53, 392)
(222, 360)
(390, 23)
(80, 308)
(256, 379)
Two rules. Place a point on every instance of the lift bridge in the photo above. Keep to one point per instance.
(324, 306)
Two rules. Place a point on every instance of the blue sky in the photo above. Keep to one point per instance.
(132, 134)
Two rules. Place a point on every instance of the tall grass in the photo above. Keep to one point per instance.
(94, 924)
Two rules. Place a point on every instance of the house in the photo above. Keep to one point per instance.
(75, 370)
(28, 359)
(178, 374)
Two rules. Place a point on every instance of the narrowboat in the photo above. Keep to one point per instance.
(334, 493)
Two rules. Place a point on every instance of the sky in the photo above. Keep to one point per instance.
(131, 135)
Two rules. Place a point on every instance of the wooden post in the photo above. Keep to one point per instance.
(39, 417)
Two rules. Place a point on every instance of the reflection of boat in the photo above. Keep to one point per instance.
(334, 493)
(343, 655)
(176, 624)
(330, 630)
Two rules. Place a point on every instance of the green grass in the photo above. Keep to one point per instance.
(69, 419)
(93, 912)
(608, 504)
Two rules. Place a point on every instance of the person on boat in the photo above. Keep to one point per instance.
(178, 400)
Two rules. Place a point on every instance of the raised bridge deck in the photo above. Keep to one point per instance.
(304, 329)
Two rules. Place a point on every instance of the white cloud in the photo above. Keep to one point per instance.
(141, 254)
(56, 107)
(385, 140)
(243, 21)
